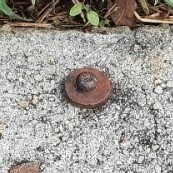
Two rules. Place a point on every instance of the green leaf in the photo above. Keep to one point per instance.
(76, 9)
(4, 8)
(15, 16)
(103, 23)
(33, 2)
(93, 17)
(169, 2)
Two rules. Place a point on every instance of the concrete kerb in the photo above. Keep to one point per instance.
(133, 133)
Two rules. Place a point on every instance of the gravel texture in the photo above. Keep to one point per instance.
(133, 133)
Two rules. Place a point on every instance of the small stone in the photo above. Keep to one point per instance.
(42, 72)
(169, 84)
(47, 151)
(38, 77)
(23, 103)
(119, 163)
(158, 169)
(51, 58)
(28, 72)
(158, 81)
(163, 85)
(159, 130)
(155, 147)
(52, 99)
(56, 130)
(25, 168)
(136, 48)
(140, 159)
(34, 99)
(157, 105)
(158, 90)
(6, 27)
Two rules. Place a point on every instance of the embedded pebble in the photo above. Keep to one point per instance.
(158, 81)
(157, 105)
(34, 99)
(136, 48)
(6, 27)
(155, 147)
(140, 159)
(28, 72)
(169, 84)
(23, 103)
(163, 85)
(158, 169)
(158, 90)
(38, 77)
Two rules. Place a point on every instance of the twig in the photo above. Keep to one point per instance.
(110, 11)
(23, 24)
(47, 12)
(147, 20)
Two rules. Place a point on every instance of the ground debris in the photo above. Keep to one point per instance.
(30, 100)
(51, 14)
(124, 13)
(29, 167)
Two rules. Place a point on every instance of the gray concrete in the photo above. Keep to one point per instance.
(133, 133)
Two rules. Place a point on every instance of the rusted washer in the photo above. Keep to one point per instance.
(87, 88)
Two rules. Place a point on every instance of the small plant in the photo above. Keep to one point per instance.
(169, 2)
(5, 9)
(92, 16)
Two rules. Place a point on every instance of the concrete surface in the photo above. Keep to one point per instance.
(133, 133)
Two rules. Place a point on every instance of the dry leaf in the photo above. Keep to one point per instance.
(29, 167)
(124, 14)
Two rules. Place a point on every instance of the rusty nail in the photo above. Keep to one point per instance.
(87, 88)
(28, 167)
